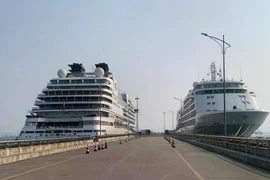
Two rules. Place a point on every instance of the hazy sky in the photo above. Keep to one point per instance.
(153, 47)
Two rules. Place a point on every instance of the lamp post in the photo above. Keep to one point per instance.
(128, 118)
(217, 40)
(181, 111)
(164, 120)
(172, 117)
(137, 117)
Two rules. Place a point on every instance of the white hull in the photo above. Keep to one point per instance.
(239, 123)
(69, 132)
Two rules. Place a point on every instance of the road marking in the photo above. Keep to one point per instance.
(190, 167)
(164, 176)
(111, 168)
(43, 167)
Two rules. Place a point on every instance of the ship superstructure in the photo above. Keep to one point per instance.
(80, 103)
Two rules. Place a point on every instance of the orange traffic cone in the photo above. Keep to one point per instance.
(173, 144)
(95, 148)
(87, 150)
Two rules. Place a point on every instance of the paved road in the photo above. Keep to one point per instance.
(150, 158)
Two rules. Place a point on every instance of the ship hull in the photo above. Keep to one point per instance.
(239, 123)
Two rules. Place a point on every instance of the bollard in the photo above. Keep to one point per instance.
(98, 146)
(173, 144)
(106, 146)
(87, 150)
(95, 147)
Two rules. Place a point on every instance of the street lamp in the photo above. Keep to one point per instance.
(137, 117)
(127, 111)
(217, 40)
(181, 110)
(164, 120)
(172, 117)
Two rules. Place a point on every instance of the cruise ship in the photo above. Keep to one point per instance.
(80, 103)
(202, 110)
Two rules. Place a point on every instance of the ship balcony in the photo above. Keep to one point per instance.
(74, 109)
(40, 102)
(78, 85)
(57, 89)
(42, 96)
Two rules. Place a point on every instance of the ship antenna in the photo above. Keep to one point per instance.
(241, 79)
(213, 71)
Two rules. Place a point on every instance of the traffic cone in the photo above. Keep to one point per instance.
(95, 148)
(173, 144)
(87, 150)
(106, 147)
(98, 146)
(102, 146)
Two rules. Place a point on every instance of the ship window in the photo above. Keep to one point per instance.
(208, 97)
(39, 132)
(90, 81)
(87, 131)
(27, 132)
(208, 103)
(208, 110)
(248, 102)
(54, 81)
(212, 97)
(213, 103)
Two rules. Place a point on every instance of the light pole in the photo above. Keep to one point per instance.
(137, 117)
(128, 118)
(172, 117)
(164, 120)
(217, 40)
(181, 112)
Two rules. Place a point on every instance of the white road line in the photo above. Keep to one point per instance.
(112, 167)
(164, 176)
(43, 167)
(190, 167)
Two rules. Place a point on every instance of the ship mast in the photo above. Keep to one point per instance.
(213, 71)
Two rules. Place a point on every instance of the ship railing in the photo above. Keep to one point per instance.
(21, 143)
(255, 146)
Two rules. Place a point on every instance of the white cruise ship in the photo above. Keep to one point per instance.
(80, 103)
(202, 109)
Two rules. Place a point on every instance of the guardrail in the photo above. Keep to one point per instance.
(21, 143)
(257, 147)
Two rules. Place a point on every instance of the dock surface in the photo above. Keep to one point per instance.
(150, 158)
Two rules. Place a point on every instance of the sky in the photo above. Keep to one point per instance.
(153, 47)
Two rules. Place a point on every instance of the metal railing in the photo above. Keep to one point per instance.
(258, 147)
(21, 143)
